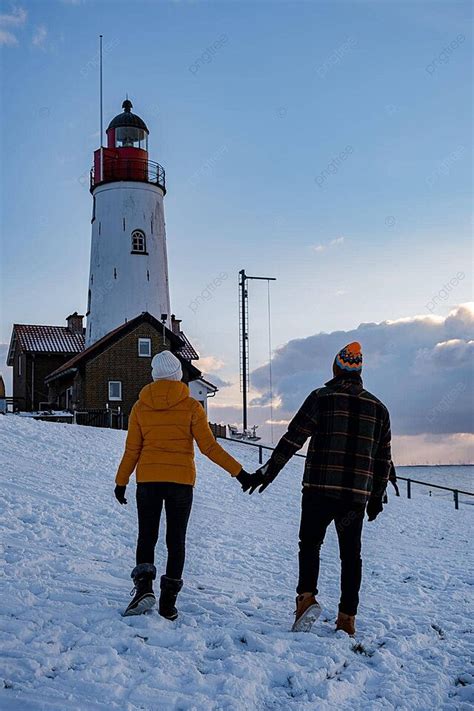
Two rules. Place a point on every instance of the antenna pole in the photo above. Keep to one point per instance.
(244, 336)
(101, 112)
(243, 345)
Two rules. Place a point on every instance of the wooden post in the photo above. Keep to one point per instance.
(260, 454)
(409, 488)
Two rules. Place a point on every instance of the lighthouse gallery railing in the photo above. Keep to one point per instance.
(114, 169)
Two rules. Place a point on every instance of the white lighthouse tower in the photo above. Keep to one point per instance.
(129, 264)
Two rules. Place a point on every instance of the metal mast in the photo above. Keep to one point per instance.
(244, 338)
(101, 101)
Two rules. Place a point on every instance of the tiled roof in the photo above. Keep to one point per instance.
(48, 339)
(187, 351)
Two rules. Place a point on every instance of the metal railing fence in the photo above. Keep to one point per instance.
(409, 481)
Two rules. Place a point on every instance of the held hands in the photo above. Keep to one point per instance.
(261, 478)
(119, 492)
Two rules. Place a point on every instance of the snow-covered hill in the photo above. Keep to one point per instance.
(68, 549)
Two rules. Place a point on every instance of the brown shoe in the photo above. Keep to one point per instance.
(346, 623)
(307, 612)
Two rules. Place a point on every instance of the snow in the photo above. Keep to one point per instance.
(68, 549)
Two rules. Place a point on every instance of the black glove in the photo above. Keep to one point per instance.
(248, 481)
(374, 507)
(120, 494)
(263, 477)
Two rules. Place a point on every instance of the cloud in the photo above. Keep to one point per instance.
(210, 363)
(7, 39)
(421, 367)
(16, 18)
(433, 449)
(39, 37)
(219, 382)
(323, 247)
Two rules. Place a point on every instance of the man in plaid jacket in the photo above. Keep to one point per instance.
(347, 470)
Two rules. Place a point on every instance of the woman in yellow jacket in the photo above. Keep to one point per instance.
(163, 425)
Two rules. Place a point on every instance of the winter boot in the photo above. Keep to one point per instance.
(346, 623)
(307, 612)
(169, 592)
(144, 598)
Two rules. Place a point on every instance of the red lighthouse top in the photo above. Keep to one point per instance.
(126, 154)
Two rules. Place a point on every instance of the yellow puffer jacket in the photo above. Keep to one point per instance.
(162, 426)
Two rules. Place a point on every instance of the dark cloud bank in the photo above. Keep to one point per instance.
(421, 367)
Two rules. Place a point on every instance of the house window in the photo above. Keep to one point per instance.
(138, 242)
(115, 390)
(144, 347)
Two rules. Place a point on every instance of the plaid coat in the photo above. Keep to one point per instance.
(349, 453)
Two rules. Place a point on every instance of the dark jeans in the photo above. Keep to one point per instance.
(317, 513)
(178, 500)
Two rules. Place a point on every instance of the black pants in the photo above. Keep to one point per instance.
(317, 513)
(178, 500)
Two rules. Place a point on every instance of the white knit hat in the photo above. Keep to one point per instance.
(165, 366)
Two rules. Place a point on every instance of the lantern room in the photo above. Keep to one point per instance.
(126, 155)
(127, 130)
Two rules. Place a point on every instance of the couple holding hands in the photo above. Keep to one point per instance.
(347, 469)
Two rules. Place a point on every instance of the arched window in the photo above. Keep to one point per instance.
(138, 242)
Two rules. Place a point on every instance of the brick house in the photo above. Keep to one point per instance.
(113, 370)
(35, 351)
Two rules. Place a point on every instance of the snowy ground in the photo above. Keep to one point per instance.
(66, 559)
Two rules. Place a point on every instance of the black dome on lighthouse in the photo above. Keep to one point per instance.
(126, 118)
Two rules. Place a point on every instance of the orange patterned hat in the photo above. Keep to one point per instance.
(349, 358)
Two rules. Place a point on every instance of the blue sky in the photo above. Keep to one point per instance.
(248, 135)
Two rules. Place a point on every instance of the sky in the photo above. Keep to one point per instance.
(325, 144)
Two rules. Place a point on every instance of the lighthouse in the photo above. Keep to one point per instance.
(128, 264)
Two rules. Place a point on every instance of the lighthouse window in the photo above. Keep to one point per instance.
(115, 390)
(138, 242)
(144, 347)
(131, 137)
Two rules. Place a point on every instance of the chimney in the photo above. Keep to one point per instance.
(175, 324)
(74, 323)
